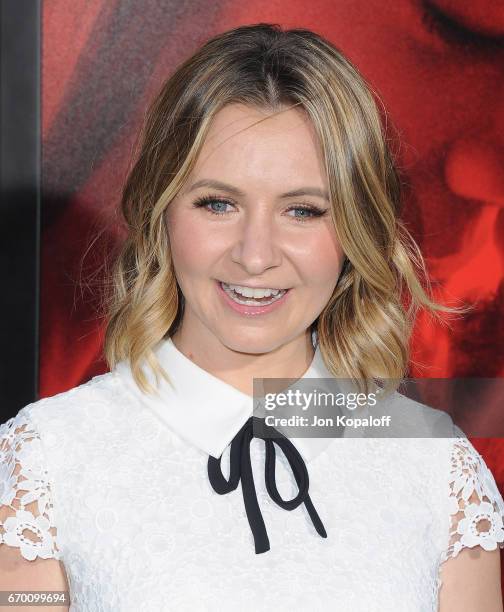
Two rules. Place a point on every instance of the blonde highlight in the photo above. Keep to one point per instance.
(365, 329)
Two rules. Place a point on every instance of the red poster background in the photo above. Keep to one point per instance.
(438, 67)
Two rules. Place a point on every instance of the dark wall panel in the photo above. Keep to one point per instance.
(19, 203)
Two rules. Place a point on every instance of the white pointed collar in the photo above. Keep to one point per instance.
(203, 409)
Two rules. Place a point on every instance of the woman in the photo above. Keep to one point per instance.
(263, 242)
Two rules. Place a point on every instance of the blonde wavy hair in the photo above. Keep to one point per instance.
(365, 328)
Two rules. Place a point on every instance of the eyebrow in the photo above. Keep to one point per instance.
(314, 191)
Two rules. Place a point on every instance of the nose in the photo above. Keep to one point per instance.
(474, 164)
(256, 247)
(475, 168)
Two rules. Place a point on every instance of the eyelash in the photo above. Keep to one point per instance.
(210, 199)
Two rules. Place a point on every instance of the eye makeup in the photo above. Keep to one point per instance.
(308, 209)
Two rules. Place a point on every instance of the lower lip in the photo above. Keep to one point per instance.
(251, 311)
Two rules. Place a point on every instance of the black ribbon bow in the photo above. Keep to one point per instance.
(241, 468)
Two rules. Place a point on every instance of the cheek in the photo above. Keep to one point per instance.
(193, 248)
(321, 259)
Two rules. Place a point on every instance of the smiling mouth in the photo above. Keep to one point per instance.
(252, 301)
(239, 285)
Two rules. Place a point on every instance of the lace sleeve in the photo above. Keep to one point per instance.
(476, 505)
(26, 517)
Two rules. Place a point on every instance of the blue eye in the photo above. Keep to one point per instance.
(207, 201)
(308, 211)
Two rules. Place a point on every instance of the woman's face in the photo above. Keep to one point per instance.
(254, 231)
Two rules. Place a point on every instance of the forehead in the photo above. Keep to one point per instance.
(256, 142)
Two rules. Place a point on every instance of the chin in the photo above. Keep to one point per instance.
(253, 341)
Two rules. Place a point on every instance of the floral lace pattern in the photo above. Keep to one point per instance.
(476, 506)
(26, 517)
(139, 524)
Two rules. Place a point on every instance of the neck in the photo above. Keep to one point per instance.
(238, 369)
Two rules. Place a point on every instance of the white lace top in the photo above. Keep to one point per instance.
(114, 484)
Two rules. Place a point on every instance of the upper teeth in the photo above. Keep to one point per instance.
(250, 292)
